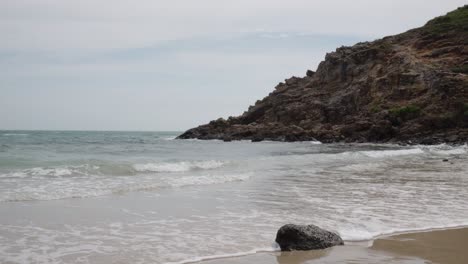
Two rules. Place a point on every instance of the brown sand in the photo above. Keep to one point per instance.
(442, 246)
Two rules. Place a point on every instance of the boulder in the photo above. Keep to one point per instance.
(306, 237)
(310, 73)
(257, 139)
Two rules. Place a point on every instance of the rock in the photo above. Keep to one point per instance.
(445, 160)
(387, 90)
(452, 138)
(257, 139)
(306, 237)
(310, 73)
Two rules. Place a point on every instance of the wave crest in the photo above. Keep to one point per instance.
(181, 166)
(392, 153)
(64, 188)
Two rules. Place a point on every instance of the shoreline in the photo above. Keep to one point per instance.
(446, 246)
(315, 141)
(439, 245)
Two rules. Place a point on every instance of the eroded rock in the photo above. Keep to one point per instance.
(306, 237)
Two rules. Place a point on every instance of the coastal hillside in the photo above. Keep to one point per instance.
(411, 87)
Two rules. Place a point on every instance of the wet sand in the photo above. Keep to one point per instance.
(442, 246)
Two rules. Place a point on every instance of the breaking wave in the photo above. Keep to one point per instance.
(89, 187)
(181, 166)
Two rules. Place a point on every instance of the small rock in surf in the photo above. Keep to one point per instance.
(306, 237)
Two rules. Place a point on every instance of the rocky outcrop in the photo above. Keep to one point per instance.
(411, 87)
(306, 237)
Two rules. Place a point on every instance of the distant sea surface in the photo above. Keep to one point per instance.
(144, 197)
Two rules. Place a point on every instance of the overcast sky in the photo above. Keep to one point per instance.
(172, 65)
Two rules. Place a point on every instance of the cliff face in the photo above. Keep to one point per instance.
(408, 87)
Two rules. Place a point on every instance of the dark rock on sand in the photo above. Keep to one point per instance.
(411, 87)
(306, 237)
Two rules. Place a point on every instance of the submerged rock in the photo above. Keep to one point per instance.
(306, 237)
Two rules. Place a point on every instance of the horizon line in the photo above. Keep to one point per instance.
(87, 130)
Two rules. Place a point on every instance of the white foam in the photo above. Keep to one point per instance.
(42, 193)
(39, 171)
(360, 167)
(392, 153)
(274, 248)
(353, 235)
(457, 151)
(448, 150)
(178, 166)
(52, 171)
(56, 188)
(15, 134)
(207, 180)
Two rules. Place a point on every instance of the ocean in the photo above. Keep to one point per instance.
(145, 197)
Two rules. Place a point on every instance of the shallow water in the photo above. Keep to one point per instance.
(142, 197)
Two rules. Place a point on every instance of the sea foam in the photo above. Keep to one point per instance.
(50, 171)
(273, 248)
(207, 180)
(391, 153)
(181, 166)
(57, 188)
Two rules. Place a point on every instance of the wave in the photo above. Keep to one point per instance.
(181, 166)
(274, 248)
(15, 134)
(91, 169)
(360, 236)
(100, 168)
(316, 142)
(52, 171)
(361, 167)
(65, 188)
(207, 180)
(445, 149)
(437, 149)
(391, 153)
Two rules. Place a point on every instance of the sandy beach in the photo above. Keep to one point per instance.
(440, 246)
(105, 197)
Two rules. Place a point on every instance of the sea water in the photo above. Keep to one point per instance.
(145, 197)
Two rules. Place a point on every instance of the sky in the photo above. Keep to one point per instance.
(153, 65)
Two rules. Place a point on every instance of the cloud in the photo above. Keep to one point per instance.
(102, 25)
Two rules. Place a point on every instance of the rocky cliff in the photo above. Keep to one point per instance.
(412, 87)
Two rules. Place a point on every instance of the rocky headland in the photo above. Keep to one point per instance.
(411, 87)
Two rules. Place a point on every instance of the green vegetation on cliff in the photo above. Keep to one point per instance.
(461, 69)
(455, 20)
(406, 112)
